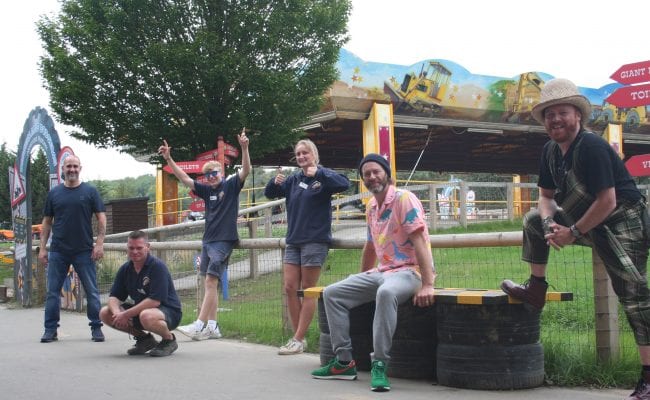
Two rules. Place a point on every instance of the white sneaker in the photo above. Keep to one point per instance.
(208, 333)
(293, 346)
(190, 330)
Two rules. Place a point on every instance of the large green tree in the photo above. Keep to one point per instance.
(129, 73)
(40, 180)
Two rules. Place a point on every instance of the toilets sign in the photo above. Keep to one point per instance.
(630, 96)
(634, 95)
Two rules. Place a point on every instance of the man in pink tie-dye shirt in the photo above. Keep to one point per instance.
(396, 265)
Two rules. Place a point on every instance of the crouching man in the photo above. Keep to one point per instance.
(155, 307)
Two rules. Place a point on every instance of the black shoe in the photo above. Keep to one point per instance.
(142, 345)
(49, 336)
(165, 348)
(96, 334)
(641, 392)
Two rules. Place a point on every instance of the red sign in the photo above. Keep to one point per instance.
(228, 150)
(630, 74)
(16, 187)
(197, 206)
(639, 165)
(630, 96)
(190, 167)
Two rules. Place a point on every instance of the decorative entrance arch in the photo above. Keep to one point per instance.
(37, 131)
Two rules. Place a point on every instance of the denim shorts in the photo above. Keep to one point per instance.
(306, 255)
(215, 257)
(172, 317)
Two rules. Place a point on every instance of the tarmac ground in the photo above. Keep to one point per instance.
(74, 368)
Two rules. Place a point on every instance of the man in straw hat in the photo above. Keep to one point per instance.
(587, 197)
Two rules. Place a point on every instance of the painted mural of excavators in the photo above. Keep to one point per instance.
(630, 117)
(422, 92)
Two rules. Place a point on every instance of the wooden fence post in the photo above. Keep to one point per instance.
(606, 313)
(253, 256)
(433, 213)
(463, 204)
(510, 200)
(268, 222)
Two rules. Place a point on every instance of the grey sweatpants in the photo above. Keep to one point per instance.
(387, 289)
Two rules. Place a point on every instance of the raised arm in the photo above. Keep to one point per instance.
(334, 182)
(245, 157)
(165, 151)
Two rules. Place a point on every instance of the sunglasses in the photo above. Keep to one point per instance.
(212, 174)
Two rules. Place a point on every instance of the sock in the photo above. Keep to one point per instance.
(199, 324)
(538, 278)
(212, 324)
(645, 373)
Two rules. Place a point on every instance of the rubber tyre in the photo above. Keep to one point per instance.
(322, 317)
(361, 319)
(499, 324)
(491, 367)
(412, 359)
(361, 349)
(325, 348)
(416, 323)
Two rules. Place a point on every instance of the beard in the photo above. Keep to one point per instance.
(377, 187)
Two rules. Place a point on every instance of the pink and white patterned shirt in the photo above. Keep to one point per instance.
(389, 227)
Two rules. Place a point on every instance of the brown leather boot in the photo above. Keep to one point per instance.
(533, 291)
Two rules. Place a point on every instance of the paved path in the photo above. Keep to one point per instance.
(74, 368)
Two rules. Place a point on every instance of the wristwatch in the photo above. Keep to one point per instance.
(575, 232)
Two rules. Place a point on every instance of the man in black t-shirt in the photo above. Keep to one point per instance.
(155, 306)
(587, 197)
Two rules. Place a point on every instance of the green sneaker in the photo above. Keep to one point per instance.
(336, 370)
(378, 379)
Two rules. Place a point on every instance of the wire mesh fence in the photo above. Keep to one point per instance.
(252, 308)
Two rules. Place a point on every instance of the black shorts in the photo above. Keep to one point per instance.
(172, 317)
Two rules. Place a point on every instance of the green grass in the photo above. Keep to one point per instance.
(6, 269)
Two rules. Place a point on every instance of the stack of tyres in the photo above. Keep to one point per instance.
(414, 342)
(489, 346)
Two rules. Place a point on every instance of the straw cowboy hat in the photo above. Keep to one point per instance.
(561, 91)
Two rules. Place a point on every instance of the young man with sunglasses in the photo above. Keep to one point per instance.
(221, 198)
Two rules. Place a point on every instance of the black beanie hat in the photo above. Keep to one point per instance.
(376, 158)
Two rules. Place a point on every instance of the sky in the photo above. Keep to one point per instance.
(581, 41)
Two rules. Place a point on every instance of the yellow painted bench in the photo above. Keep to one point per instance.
(464, 296)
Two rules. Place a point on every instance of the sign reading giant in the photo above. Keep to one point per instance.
(629, 74)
